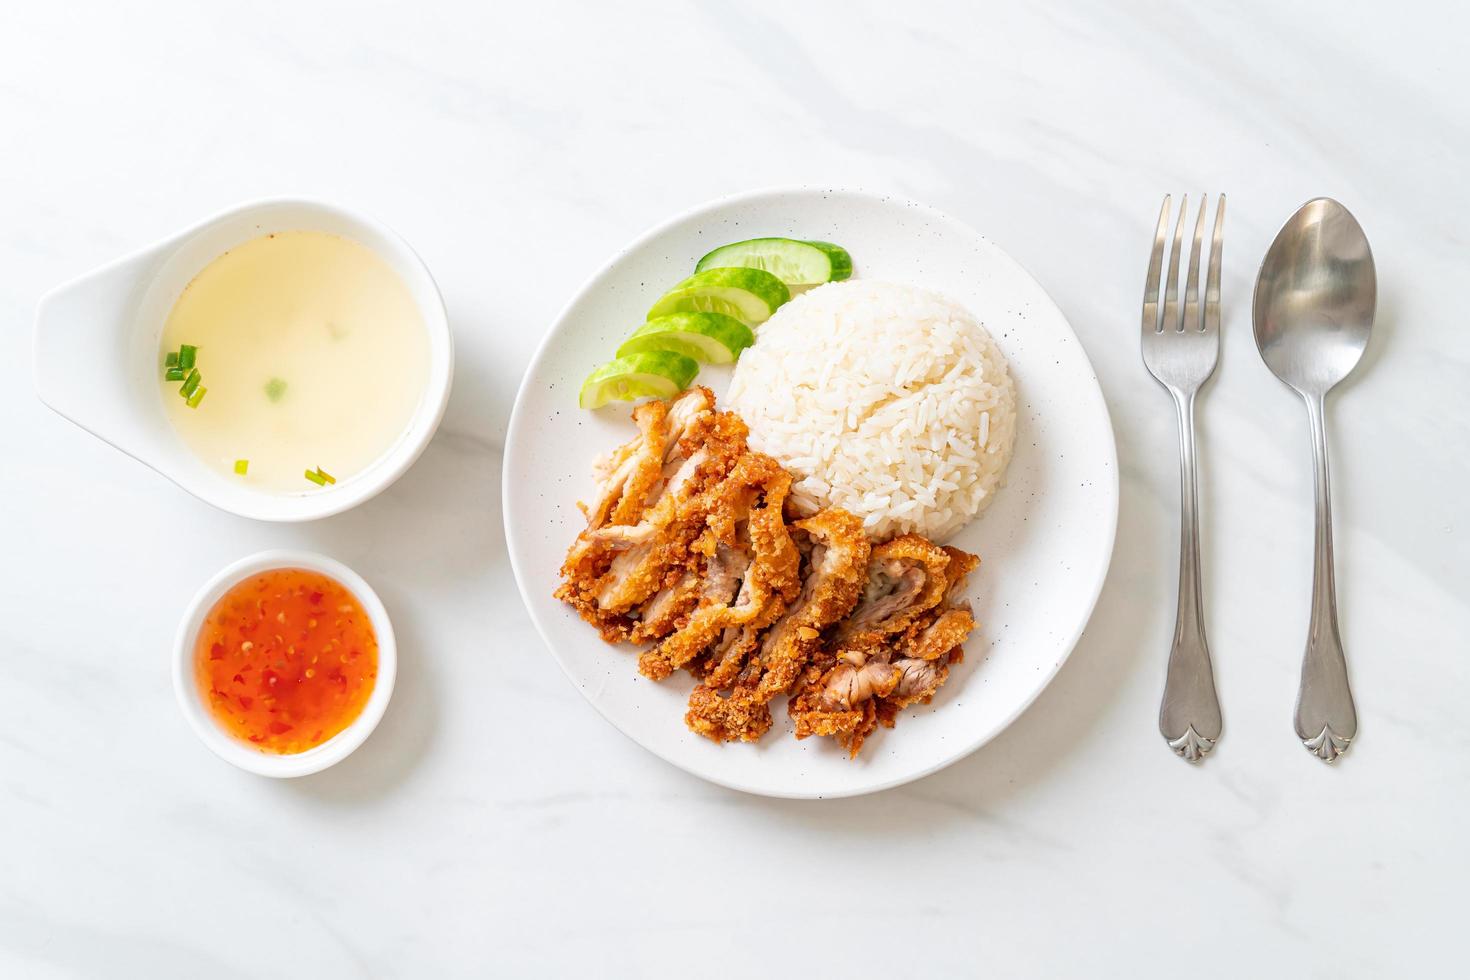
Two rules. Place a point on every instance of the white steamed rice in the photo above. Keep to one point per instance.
(887, 400)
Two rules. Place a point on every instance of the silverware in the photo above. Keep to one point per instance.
(1314, 304)
(1180, 350)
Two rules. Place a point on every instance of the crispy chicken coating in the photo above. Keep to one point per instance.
(905, 578)
(688, 547)
(752, 570)
(894, 650)
(835, 569)
(614, 568)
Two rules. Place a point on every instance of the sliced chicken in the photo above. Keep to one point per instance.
(944, 629)
(662, 614)
(932, 644)
(752, 566)
(627, 475)
(687, 546)
(723, 665)
(906, 577)
(834, 572)
(961, 564)
(936, 639)
(900, 650)
(856, 679)
(837, 564)
(915, 680)
(615, 568)
(842, 704)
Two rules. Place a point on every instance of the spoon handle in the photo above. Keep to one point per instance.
(1189, 718)
(1326, 719)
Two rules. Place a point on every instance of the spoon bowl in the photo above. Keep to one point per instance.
(1314, 303)
(1315, 298)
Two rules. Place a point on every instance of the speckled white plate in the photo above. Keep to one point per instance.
(1045, 542)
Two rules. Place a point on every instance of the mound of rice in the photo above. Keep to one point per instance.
(887, 400)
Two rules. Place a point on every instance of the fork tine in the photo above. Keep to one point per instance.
(1191, 290)
(1155, 263)
(1171, 286)
(1212, 283)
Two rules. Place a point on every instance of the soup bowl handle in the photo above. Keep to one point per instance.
(88, 365)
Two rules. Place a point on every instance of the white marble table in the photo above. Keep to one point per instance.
(495, 824)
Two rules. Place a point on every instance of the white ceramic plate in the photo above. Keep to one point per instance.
(1045, 543)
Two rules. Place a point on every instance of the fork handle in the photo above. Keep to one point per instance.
(1189, 718)
(1326, 718)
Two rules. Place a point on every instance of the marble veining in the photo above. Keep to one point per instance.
(494, 824)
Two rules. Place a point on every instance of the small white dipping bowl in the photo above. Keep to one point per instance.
(231, 749)
(96, 354)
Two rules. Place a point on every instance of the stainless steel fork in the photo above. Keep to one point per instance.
(1180, 349)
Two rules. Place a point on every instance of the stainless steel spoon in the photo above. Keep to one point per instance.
(1314, 303)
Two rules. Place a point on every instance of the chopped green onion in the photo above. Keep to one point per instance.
(274, 389)
(325, 475)
(174, 374)
(190, 383)
(241, 465)
(316, 477)
(171, 359)
(186, 356)
(197, 397)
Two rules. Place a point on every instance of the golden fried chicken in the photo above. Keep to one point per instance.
(751, 568)
(905, 578)
(932, 644)
(835, 566)
(614, 568)
(961, 564)
(626, 475)
(687, 547)
(894, 650)
(662, 614)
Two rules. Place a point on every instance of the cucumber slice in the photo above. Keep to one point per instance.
(713, 338)
(749, 295)
(795, 263)
(650, 374)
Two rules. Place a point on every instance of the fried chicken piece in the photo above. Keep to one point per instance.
(857, 679)
(944, 629)
(752, 572)
(624, 565)
(687, 544)
(729, 658)
(714, 591)
(961, 564)
(835, 567)
(906, 577)
(662, 614)
(933, 644)
(948, 630)
(614, 568)
(899, 651)
(916, 681)
(844, 704)
(725, 660)
(626, 475)
(838, 559)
